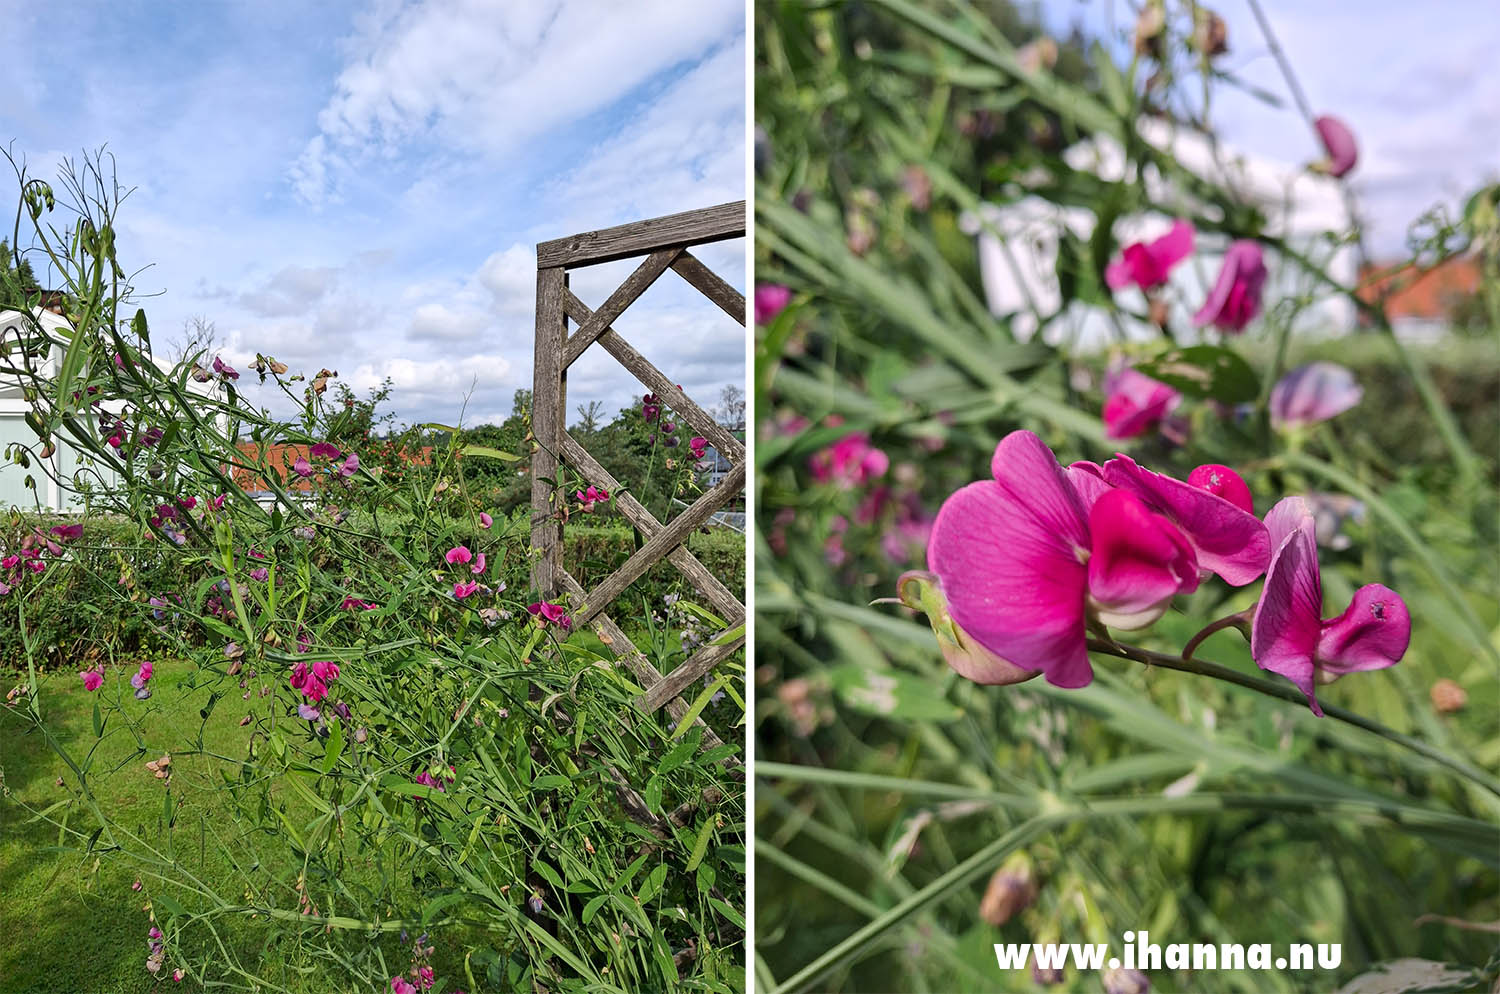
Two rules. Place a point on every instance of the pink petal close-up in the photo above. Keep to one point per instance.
(1148, 264)
(1288, 635)
(1226, 539)
(1234, 300)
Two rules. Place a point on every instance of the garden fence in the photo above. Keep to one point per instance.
(664, 242)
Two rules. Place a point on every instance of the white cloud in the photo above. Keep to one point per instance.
(487, 76)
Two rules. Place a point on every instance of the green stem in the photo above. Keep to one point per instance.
(1287, 693)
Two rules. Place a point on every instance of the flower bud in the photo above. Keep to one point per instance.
(920, 591)
(1011, 890)
(1125, 981)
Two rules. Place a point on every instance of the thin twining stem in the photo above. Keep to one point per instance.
(1240, 620)
(1203, 667)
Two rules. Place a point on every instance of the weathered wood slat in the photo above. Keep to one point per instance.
(657, 546)
(546, 422)
(711, 224)
(635, 661)
(718, 596)
(697, 418)
(625, 294)
(690, 671)
(711, 285)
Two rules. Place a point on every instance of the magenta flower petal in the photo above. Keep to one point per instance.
(1371, 634)
(302, 467)
(1135, 403)
(458, 554)
(485, 520)
(1285, 631)
(1139, 562)
(1221, 481)
(1338, 142)
(1088, 483)
(1312, 393)
(1148, 264)
(1235, 299)
(1028, 472)
(1014, 586)
(1226, 539)
(770, 300)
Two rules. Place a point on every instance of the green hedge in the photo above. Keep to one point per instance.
(94, 604)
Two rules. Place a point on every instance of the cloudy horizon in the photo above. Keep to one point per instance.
(361, 185)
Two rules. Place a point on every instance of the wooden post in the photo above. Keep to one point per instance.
(547, 401)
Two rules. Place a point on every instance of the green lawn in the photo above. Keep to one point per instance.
(72, 924)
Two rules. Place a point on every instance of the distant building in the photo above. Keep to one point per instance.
(1421, 303)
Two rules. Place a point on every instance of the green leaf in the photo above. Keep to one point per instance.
(701, 845)
(550, 782)
(679, 754)
(592, 908)
(654, 881)
(1205, 371)
(892, 694)
(489, 453)
(548, 874)
(334, 748)
(98, 721)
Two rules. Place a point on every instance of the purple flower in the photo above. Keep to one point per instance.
(302, 467)
(1148, 264)
(1288, 635)
(1235, 299)
(1312, 393)
(350, 466)
(260, 575)
(1025, 559)
(308, 711)
(325, 450)
(1338, 142)
(225, 370)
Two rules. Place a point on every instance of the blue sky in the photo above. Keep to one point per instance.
(1415, 80)
(360, 184)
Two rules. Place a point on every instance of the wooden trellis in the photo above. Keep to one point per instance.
(664, 242)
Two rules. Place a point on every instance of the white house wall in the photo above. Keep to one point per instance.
(1017, 243)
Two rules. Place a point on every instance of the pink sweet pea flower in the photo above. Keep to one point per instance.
(325, 450)
(400, 986)
(850, 462)
(1312, 393)
(66, 533)
(1025, 559)
(478, 566)
(1338, 142)
(1235, 299)
(302, 467)
(1135, 403)
(458, 554)
(1289, 636)
(92, 679)
(1221, 481)
(350, 466)
(554, 613)
(770, 300)
(1226, 539)
(462, 590)
(485, 520)
(139, 681)
(225, 370)
(699, 446)
(1148, 264)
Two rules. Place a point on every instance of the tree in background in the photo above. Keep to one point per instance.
(17, 280)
